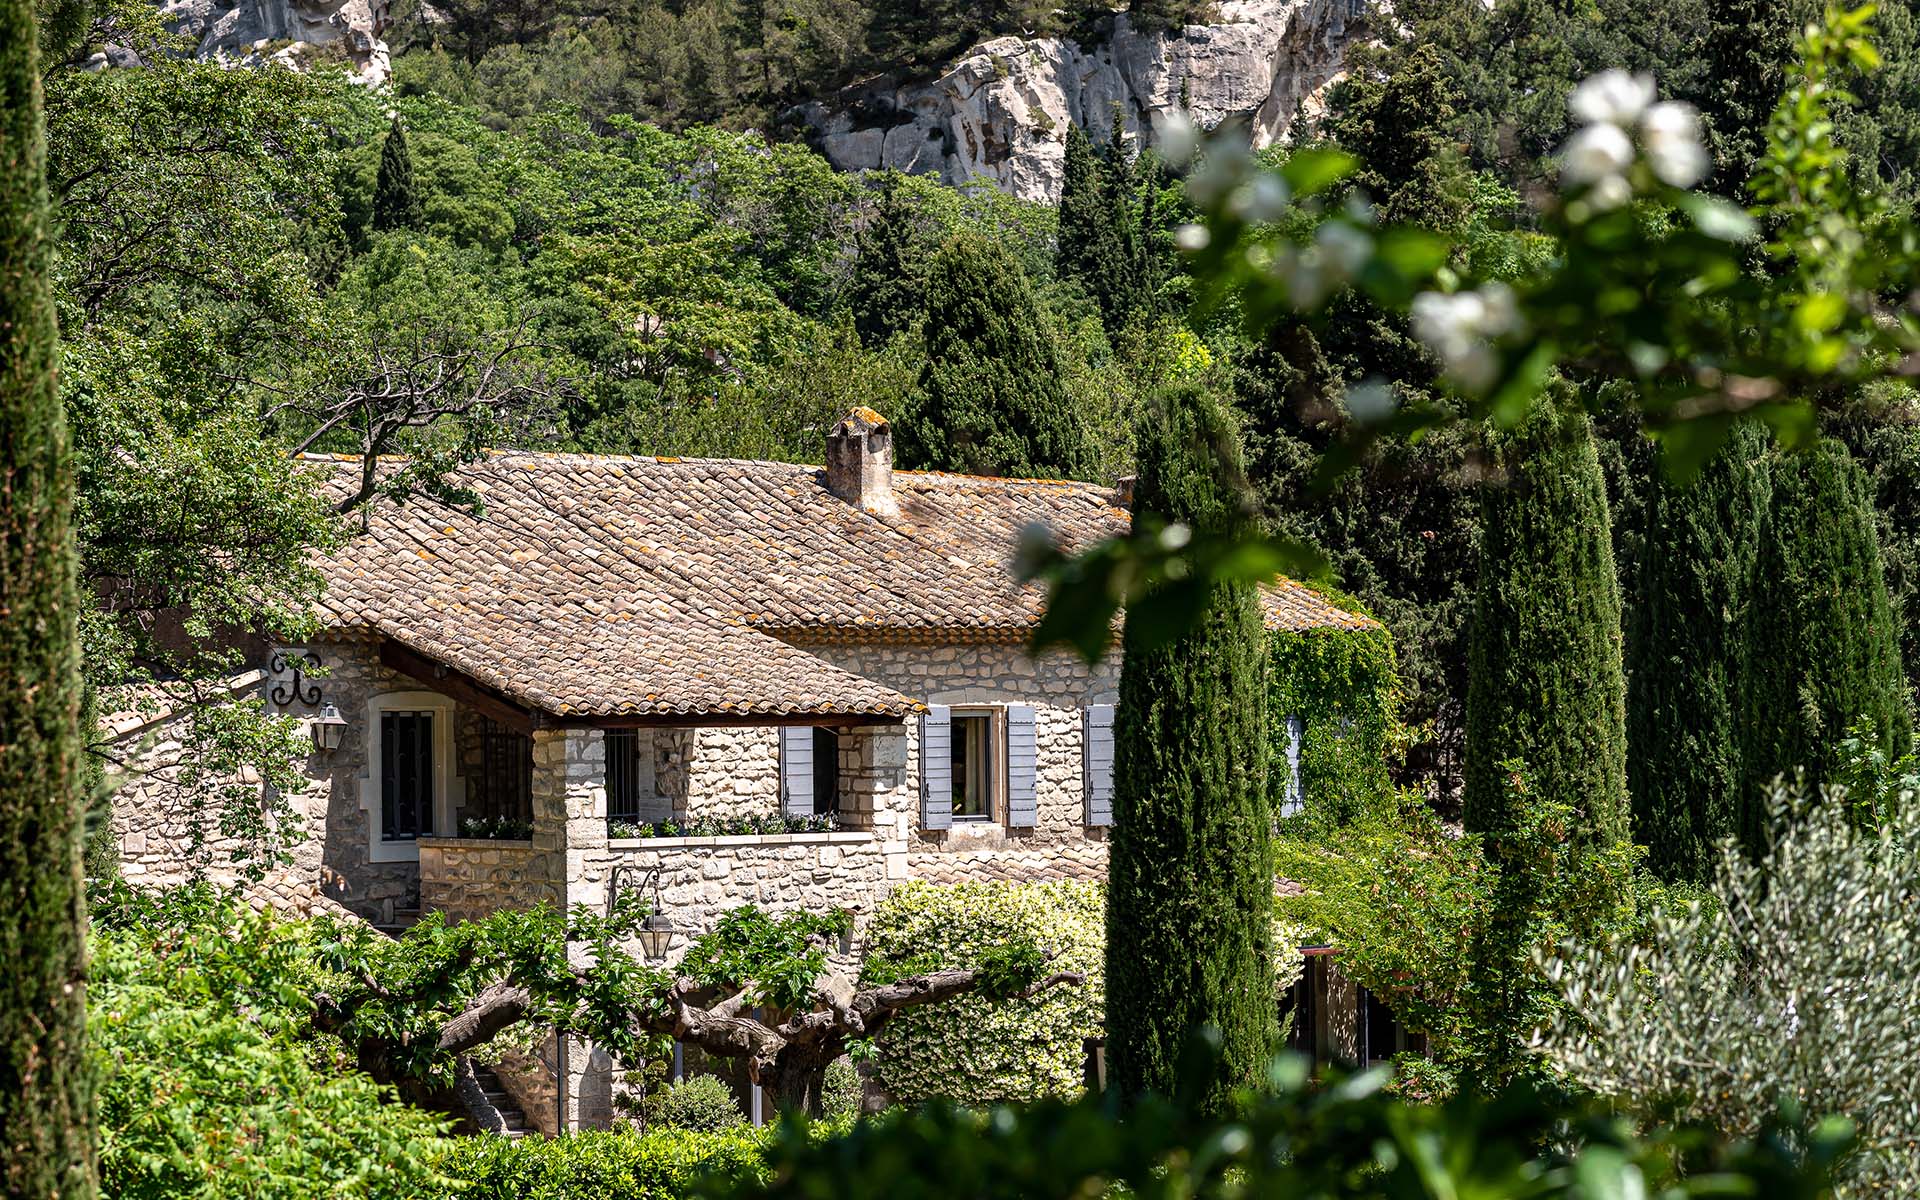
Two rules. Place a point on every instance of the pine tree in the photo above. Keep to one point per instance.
(46, 1141)
(1083, 230)
(396, 200)
(1748, 45)
(1191, 875)
(1545, 683)
(989, 399)
(884, 296)
(1823, 656)
(1688, 650)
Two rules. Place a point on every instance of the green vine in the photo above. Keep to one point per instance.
(1343, 685)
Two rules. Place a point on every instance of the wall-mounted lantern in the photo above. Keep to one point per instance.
(657, 930)
(329, 729)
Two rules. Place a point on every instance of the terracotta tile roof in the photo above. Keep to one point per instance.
(602, 586)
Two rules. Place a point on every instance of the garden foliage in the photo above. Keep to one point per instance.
(661, 1164)
(1794, 988)
(701, 1103)
(978, 1050)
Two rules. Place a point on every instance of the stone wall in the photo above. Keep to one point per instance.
(467, 878)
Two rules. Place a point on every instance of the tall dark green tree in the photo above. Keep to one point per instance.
(989, 399)
(885, 296)
(46, 1136)
(1083, 229)
(1191, 874)
(1121, 287)
(1823, 652)
(396, 198)
(1687, 648)
(1748, 43)
(1545, 685)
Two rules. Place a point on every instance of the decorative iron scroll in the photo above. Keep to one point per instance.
(291, 682)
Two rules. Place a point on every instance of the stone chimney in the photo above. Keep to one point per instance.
(860, 462)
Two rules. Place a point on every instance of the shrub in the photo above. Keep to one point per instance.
(1797, 986)
(664, 1164)
(210, 1080)
(700, 1103)
(840, 1094)
(974, 1049)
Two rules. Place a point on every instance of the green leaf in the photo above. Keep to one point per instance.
(1308, 172)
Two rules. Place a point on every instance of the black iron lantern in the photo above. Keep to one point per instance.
(657, 930)
(329, 729)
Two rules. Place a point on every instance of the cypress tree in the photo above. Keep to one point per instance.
(1688, 650)
(989, 399)
(1545, 682)
(46, 1143)
(1823, 652)
(884, 296)
(1190, 879)
(1120, 287)
(396, 201)
(1082, 223)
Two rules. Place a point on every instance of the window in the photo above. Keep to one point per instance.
(826, 771)
(406, 774)
(632, 791)
(505, 787)
(975, 765)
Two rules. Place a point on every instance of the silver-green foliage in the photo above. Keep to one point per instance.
(975, 1049)
(1797, 986)
(698, 1102)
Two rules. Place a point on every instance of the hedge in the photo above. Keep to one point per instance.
(661, 1164)
(971, 1049)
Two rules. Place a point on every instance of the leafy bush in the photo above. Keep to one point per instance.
(1343, 685)
(664, 1164)
(211, 1082)
(700, 1103)
(1797, 987)
(841, 1092)
(1300, 1141)
(976, 1049)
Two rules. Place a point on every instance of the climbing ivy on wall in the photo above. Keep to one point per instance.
(1343, 685)
(977, 1050)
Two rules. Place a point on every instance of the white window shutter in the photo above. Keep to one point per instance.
(1096, 762)
(936, 768)
(796, 770)
(1293, 799)
(1023, 809)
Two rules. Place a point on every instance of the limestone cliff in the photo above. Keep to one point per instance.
(1002, 111)
(291, 31)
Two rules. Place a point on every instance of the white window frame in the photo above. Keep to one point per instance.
(996, 715)
(448, 788)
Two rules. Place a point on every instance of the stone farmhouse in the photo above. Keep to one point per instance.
(515, 704)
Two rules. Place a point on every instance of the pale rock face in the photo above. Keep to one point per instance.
(291, 32)
(1001, 113)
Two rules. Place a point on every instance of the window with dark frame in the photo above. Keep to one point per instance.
(975, 766)
(406, 775)
(826, 771)
(623, 775)
(505, 786)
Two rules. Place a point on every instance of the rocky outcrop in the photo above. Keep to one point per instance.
(294, 32)
(1002, 111)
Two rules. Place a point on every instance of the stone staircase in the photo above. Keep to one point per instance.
(488, 1103)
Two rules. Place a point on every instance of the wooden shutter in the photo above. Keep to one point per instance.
(796, 770)
(1023, 809)
(1096, 762)
(936, 768)
(1292, 799)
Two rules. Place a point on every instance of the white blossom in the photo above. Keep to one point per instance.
(1670, 135)
(1595, 153)
(1609, 193)
(1612, 97)
(1260, 199)
(1192, 238)
(1460, 328)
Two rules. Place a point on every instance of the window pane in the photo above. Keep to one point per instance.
(972, 765)
(623, 780)
(406, 775)
(826, 771)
